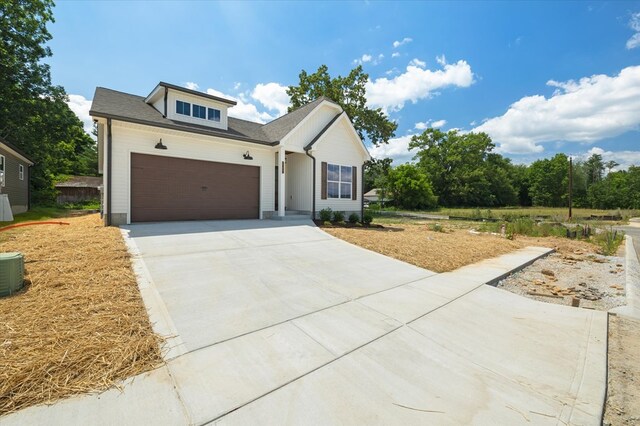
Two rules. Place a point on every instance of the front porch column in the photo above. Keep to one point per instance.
(281, 182)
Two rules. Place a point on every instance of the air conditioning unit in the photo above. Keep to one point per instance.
(11, 273)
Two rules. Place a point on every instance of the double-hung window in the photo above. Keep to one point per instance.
(199, 111)
(183, 108)
(20, 172)
(339, 180)
(213, 114)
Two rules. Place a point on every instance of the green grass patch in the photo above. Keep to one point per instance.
(37, 213)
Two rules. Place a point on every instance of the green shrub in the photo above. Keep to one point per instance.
(609, 240)
(325, 214)
(436, 227)
(338, 216)
(523, 226)
(354, 218)
(367, 218)
(476, 214)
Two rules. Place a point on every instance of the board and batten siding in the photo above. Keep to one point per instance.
(309, 128)
(337, 147)
(299, 182)
(133, 138)
(16, 189)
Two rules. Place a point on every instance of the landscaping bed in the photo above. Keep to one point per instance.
(80, 324)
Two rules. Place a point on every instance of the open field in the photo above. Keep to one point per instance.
(554, 213)
(80, 324)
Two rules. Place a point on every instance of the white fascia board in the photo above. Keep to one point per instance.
(149, 99)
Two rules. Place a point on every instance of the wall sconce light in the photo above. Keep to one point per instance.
(160, 145)
(247, 156)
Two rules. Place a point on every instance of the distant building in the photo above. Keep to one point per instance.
(14, 166)
(79, 188)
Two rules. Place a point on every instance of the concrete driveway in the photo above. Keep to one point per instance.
(280, 323)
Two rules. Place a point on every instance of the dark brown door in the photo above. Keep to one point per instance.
(168, 188)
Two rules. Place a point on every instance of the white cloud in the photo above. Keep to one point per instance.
(415, 84)
(634, 23)
(242, 109)
(273, 96)
(397, 148)
(418, 63)
(366, 58)
(584, 111)
(191, 85)
(395, 54)
(623, 158)
(405, 40)
(429, 123)
(81, 106)
(442, 60)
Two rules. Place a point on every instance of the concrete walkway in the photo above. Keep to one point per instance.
(277, 323)
(632, 268)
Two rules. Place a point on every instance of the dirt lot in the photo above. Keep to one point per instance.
(417, 244)
(576, 270)
(80, 325)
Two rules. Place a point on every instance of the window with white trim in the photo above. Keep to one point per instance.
(20, 172)
(1, 163)
(213, 114)
(199, 111)
(339, 181)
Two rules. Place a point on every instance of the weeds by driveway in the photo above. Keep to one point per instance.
(80, 324)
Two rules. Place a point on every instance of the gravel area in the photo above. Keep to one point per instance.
(581, 278)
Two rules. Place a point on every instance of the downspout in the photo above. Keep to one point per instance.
(362, 193)
(109, 137)
(28, 187)
(313, 190)
(166, 94)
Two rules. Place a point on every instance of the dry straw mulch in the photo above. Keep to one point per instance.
(443, 251)
(80, 325)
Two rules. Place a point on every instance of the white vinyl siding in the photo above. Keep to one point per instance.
(316, 121)
(128, 138)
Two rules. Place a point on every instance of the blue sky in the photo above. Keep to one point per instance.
(539, 77)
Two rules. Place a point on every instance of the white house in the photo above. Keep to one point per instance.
(177, 155)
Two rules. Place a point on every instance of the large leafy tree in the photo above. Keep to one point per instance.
(410, 188)
(463, 169)
(549, 180)
(34, 114)
(350, 93)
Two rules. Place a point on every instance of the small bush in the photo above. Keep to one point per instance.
(326, 223)
(367, 218)
(354, 218)
(476, 214)
(523, 226)
(609, 240)
(436, 227)
(325, 214)
(338, 216)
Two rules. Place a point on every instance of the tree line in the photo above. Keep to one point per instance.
(34, 115)
(453, 169)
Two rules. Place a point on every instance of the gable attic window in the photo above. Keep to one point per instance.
(183, 108)
(213, 114)
(1, 163)
(199, 111)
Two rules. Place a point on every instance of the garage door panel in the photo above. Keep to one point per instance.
(165, 188)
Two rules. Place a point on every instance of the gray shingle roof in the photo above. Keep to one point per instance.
(132, 108)
(80, 182)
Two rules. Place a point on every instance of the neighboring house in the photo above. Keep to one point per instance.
(14, 164)
(373, 196)
(76, 189)
(177, 155)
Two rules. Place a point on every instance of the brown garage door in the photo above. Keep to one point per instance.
(167, 188)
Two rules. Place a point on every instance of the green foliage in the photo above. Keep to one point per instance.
(463, 170)
(609, 240)
(82, 205)
(436, 227)
(338, 216)
(411, 188)
(617, 190)
(376, 173)
(354, 218)
(549, 180)
(34, 114)
(326, 214)
(350, 93)
(367, 218)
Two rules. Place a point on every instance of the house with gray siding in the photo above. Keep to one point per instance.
(14, 165)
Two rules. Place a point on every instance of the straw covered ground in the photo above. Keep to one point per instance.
(418, 244)
(80, 324)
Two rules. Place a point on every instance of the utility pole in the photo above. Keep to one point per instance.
(570, 186)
